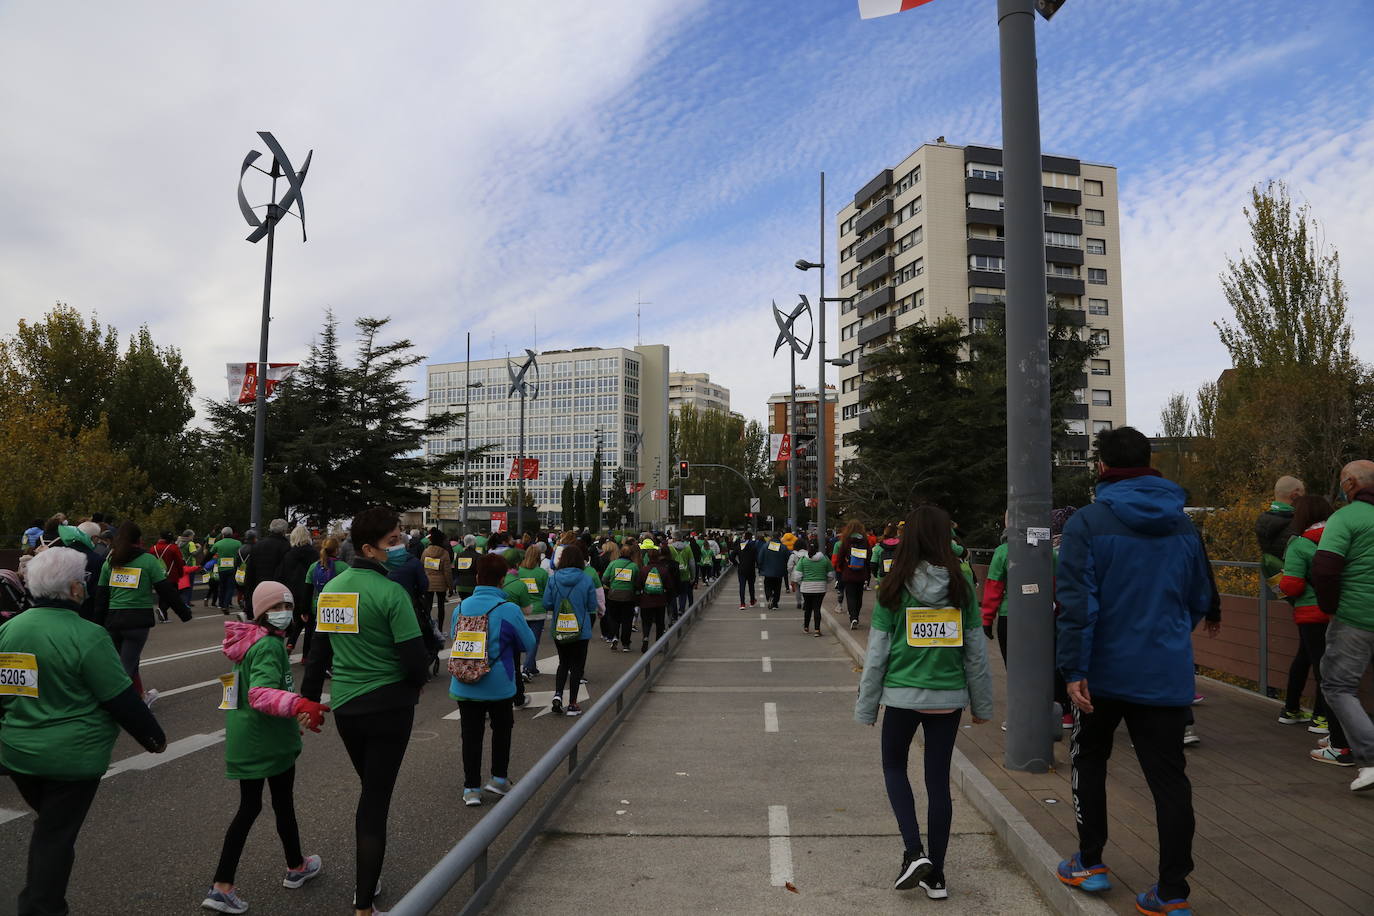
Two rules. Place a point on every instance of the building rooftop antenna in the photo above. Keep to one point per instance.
(639, 304)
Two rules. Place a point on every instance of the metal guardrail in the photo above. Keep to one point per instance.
(1262, 623)
(470, 854)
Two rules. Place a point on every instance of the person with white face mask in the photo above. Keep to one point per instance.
(263, 718)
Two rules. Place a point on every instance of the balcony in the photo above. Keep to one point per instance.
(1069, 286)
(1064, 224)
(1075, 411)
(1076, 442)
(1080, 380)
(1063, 195)
(985, 217)
(874, 272)
(873, 244)
(1073, 318)
(875, 300)
(993, 278)
(867, 419)
(873, 215)
(879, 183)
(1056, 255)
(865, 364)
(983, 186)
(880, 328)
(996, 247)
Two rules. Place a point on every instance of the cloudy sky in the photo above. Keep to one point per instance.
(527, 170)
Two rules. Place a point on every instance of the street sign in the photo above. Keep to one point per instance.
(754, 505)
(694, 505)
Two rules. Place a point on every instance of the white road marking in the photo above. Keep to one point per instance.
(767, 665)
(9, 814)
(177, 656)
(540, 700)
(770, 717)
(763, 634)
(163, 694)
(175, 750)
(779, 845)
(763, 617)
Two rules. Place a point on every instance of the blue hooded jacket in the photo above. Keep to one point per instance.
(507, 633)
(1133, 582)
(577, 588)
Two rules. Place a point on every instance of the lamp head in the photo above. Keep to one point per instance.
(803, 264)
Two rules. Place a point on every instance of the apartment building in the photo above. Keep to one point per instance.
(925, 239)
(697, 390)
(779, 421)
(587, 397)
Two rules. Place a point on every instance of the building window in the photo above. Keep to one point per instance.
(1101, 336)
(909, 179)
(986, 262)
(1055, 208)
(912, 270)
(1076, 427)
(981, 170)
(978, 325)
(1092, 188)
(985, 201)
(1100, 367)
(1097, 307)
(907, 212)
(1095, 217)
(1062, 239)
(1059, 180)
(1097, 246)
(1097, 275)
(909, 240)
(1102, 397)
(1101, 426)
(847, 226)
(1061, 270)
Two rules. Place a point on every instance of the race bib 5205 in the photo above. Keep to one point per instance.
(338, 613)
(125, 577)
(934, 627)
(18, 674)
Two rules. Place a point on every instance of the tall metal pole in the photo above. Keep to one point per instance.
(467, 428)
(823, 450)
(1030, 662)
(520, 473)
(792, 432)
(260, 414)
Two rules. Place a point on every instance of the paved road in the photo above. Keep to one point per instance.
(153, 835)
(743, 771)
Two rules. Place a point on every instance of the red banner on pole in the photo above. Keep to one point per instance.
(659, 494)
(531, 471)
(633, 487)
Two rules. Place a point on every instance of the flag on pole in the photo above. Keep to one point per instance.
(872, 9)
(243, 379)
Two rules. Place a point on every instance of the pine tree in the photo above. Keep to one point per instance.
(594, 495)
(569, 504)
(619, 503)
(580, 504)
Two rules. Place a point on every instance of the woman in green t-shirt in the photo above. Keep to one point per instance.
(926, 661)
(262, 738)
(130, 582)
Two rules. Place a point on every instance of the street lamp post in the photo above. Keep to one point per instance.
(787, 334)
(468, 385)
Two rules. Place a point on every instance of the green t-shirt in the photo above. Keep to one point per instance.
(519, 594)
(55, 671)
(1297, 562)
(997, 572)
(481, 543)
(365, 615)
(256, 745)
(1349, 533)
(619, 577)
(226, 551)
(131, 585)
(535, 581)
(928, 667)
(814, 570)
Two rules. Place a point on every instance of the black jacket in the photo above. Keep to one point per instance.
(1271, 530)
(744, 553)
(262, 564)
(291, 573)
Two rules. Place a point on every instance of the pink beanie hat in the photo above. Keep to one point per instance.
(270, 593)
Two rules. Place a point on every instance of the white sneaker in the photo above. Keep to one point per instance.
(1364, 781)
(1190, 737)
(150, 697)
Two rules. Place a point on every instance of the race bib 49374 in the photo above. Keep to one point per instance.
(930, 627)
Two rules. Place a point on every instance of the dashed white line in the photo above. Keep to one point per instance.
(779, 845)
(175, 750)
(763, 617)
(763, 634)
(9, 814)
(770, 717)
(767, 665)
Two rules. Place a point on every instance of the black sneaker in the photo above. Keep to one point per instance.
(557, 706)
(644, 647)
(934, 885)
(914, 870)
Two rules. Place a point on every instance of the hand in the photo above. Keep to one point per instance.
(978, 721)
(1079, 696)
(987, 630)
(310, 714)
(1213, 627)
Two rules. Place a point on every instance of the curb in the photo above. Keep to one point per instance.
(1030, 850)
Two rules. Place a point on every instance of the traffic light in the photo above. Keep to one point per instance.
(682, 469)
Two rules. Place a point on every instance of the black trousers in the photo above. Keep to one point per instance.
(811, 602)
(899, 730)
(61, 807)
(572, 664)
(772, 590)
(650, 617)
(745, 579)
(1157, 732)
(376, 743)
(853, 598)
(621, 615)
(250, 806)
(473, 716)
(437, 599)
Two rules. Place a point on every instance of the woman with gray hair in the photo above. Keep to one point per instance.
(56, 735)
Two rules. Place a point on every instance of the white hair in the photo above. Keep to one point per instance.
(90, 529)
(300, 536)
(51, 573)
(469, 540)
(226, 532)
(278, 526)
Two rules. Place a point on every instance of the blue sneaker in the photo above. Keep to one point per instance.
(498, 786)
(223, 902)
(295, 877)
(472, 798)
(1074, 873)
(1150, 904)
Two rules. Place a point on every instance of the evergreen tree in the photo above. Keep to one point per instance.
(620, 502)
(569, 505)
(580, 504)
(594, 494)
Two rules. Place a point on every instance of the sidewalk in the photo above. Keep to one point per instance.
(1277, 833)
(742, 772)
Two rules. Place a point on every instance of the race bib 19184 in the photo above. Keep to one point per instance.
(931, 627)
(338, 613)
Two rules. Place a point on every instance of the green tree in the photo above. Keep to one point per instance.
(580, 504)
(149, 409)
(703, 437)
(618, 504)
(569, 504)
(594, 492)
(72, 361)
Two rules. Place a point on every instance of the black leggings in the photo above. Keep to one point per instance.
(129, 643)
(437, 599)
(572, 664)
(61, 807)
(250, 806)
(811, 603)
(899, 730)
(473, 724)
(621, 615)
(651, 617)
(854, 599)
(1311, 647)
(745, 579)
(376, 744)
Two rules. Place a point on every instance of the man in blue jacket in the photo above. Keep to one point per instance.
(1133, 582)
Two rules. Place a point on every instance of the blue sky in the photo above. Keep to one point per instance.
(506, 165)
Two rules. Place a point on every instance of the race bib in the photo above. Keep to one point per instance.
(18, 674)
(432, 564)
(226, 562)
(934, 627)
(338, 613)
(240, 576)
(125, 577)
(624, 574)
(465, 562)
(775, 546)
(567, 623)
(858, 553)
(653, 580)
(229, 683)
(887, 565)
(531, 586)
(470, 644)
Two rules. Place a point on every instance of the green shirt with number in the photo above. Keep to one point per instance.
(131, 584)
(365, 618)
(520, 595)
(55, 671)
(227, 549)
(1349, 533)
(256, 745)
(927, 667)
